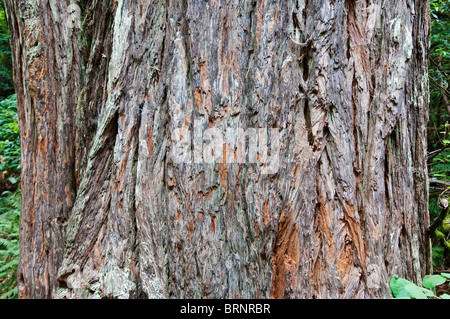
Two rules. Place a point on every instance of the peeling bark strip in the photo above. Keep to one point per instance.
(104, 89)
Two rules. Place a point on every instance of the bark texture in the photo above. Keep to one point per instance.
(108, 212)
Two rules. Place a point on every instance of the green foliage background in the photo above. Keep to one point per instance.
(9, 169)
(439, 127)
(6, 73)
(9, 243)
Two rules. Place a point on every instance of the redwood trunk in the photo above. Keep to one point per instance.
(115, 206)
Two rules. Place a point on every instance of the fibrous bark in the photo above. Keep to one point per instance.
(117, 199)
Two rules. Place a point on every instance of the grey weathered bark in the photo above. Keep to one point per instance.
(108, 212)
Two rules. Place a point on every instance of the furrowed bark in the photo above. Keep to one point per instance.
(47, 77)
(343, 82)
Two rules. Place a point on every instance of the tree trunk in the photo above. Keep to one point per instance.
(221, 149)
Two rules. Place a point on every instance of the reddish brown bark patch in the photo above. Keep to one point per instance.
(286, 256)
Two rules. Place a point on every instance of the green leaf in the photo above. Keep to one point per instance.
(405, 289)
(439, 175)
(445, 296)
(12, 180)
(427, 292)
(397, 286)
(431, 281)
(415, 291)
(446, 275)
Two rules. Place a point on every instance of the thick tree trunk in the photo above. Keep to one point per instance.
(118, 201)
